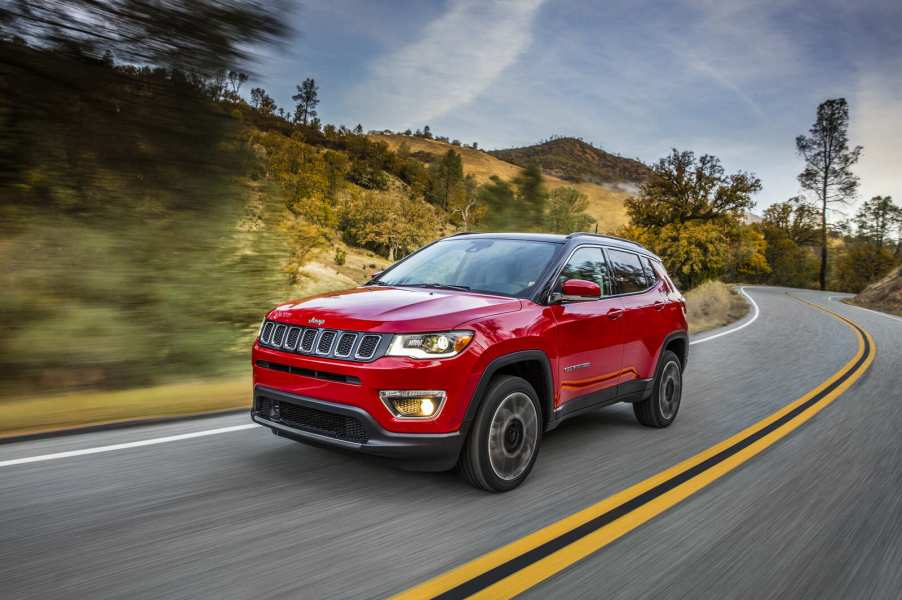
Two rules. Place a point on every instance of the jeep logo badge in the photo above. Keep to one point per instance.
(317, 322)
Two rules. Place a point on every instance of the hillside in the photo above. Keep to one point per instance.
(605, 201)
(572, 159)
(885, 295)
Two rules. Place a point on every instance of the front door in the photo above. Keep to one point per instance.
(588, 335)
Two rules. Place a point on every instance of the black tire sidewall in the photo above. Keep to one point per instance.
(666, 358)
(479, 436)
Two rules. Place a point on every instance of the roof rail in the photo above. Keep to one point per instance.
(461, 233)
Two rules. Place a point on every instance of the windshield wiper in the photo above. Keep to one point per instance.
(438, 286)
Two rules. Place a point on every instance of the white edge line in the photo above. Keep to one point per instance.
(735, 329)
(870, 310)
(112, 447)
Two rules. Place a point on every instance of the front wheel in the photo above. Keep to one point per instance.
(660, 409)
(504, 440)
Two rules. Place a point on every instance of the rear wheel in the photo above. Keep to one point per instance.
(504, 439)
(660, 409)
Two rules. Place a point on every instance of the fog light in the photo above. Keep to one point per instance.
(413, 404)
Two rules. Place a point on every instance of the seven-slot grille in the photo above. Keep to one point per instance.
(348, 345)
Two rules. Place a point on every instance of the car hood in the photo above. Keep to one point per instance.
(392, 309)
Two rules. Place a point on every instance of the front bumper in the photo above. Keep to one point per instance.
(347, 427)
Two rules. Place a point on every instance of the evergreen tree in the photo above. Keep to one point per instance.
(828, 165)
(307, 100)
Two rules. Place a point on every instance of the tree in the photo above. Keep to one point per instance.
(566, 211)
(531, 197)
(262, 101)
(445, 179)
(358, 130)
(427, 133)
(467, 204)
(307, 99)
(236, 80)
(877, 219)
(689, 212)
(499, 200)
(682, 188)
(828, 165)
(860, 264)
(791, 230)
(795, 219)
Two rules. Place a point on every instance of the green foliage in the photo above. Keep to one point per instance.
(446, 181)
(689, 212)
(791, 230)
(532, 196)
(692, 252)
(566, 211)
(340, 257)
(860, 264)
(683, 188)
(390, 224)
(878, 219)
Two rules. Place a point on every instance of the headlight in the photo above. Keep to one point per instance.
(430, 345)
(413, 404)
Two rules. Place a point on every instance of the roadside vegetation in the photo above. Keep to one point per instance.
(714, 304)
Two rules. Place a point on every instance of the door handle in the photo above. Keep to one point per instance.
(615, 313)
(659, 305)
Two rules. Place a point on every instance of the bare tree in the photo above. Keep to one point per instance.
(828, 165)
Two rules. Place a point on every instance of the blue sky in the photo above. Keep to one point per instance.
(736, 79)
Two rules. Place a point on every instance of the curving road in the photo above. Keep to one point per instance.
(239, 513)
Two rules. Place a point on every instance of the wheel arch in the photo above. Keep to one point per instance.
(531, 365)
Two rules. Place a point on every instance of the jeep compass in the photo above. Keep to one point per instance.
(466, 352)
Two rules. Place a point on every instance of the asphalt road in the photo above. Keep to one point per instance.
(242, 514)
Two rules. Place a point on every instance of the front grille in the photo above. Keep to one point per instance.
(368, 346)
(325, 342)
(291, 342)
(307, 340)
(331, 343)
(345, 344)
(278, 335)
(333, 425)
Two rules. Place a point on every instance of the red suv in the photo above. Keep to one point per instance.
(469, 350)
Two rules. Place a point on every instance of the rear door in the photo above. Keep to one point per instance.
(641, 319)
(588, 334)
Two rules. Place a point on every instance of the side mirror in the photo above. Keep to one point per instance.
(580, 289)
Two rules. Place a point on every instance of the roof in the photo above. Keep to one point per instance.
(557, 238)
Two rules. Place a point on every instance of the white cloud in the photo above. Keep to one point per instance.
(458, 56)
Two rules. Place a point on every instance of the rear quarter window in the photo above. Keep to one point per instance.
(628, 271)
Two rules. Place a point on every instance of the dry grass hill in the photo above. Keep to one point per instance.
(572, 159)
(605, 201)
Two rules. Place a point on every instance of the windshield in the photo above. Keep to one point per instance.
(494, 266)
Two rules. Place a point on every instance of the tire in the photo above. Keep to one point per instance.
(660, 409)
(505, 436)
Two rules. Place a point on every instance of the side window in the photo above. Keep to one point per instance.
(628, 271)
(588, 264)
(650, 277)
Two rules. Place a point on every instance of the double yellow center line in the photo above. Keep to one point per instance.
(520, 565)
